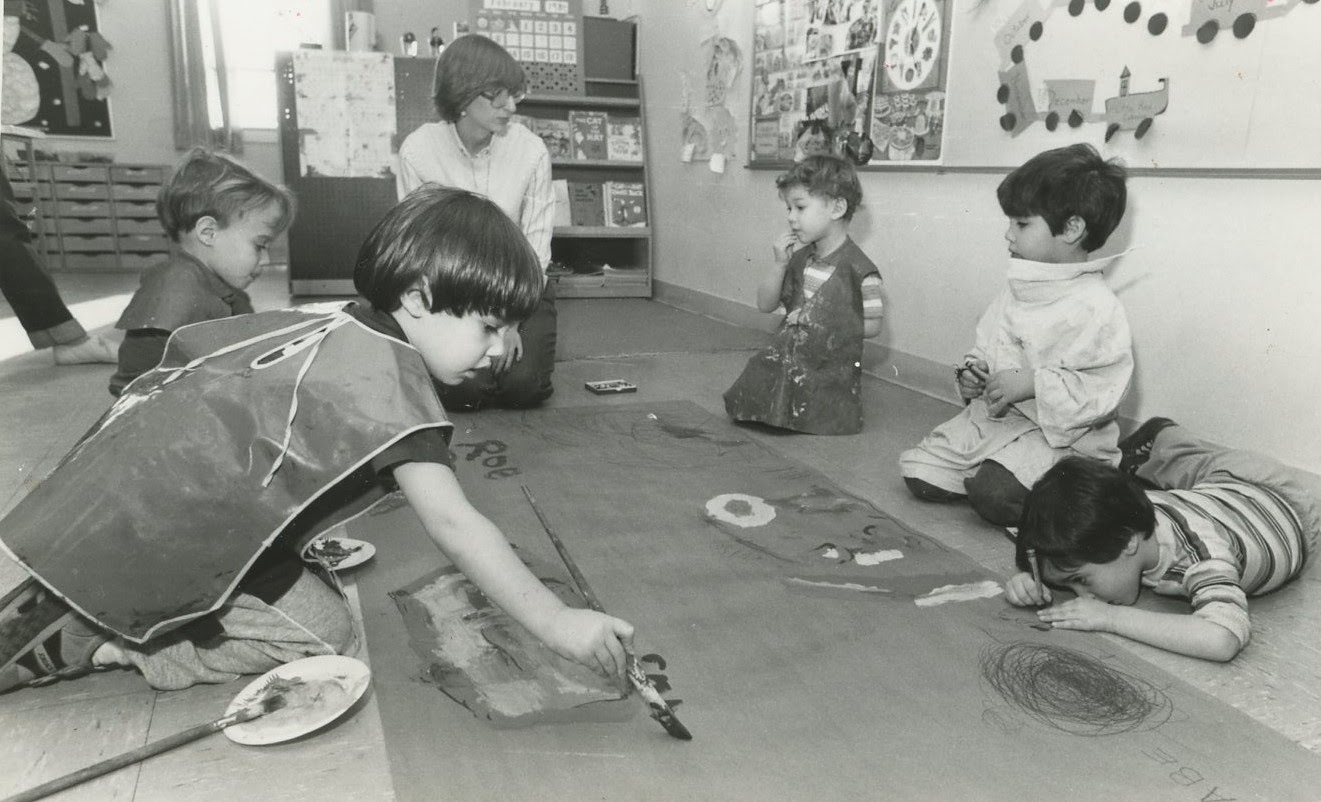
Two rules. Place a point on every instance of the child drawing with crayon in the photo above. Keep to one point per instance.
(168, 540)
(810, 378)
(1179, 516)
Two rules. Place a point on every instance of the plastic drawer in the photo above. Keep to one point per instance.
(129, 174)
(80, 172)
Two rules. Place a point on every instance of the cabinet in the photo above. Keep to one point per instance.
(596, 261)
(94, 217)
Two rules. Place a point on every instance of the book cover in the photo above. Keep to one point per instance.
(563, 214)
(624, 139)
(589, 133)
(557, 135)
(627, 202)
(586, 203)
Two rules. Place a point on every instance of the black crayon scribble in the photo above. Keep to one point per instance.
(1071, 691)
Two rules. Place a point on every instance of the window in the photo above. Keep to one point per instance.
(252, 32)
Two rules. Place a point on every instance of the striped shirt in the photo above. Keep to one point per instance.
(817, 272)
(1221, 542)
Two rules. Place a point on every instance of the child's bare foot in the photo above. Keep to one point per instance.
(93, 348)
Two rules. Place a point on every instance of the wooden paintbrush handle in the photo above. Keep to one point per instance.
(132, 756)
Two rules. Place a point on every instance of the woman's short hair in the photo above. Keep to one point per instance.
(461, 246)
(469, 66)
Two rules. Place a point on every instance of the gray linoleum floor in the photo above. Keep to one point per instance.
(670, 354)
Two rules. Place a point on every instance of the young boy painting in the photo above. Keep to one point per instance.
(1179, 516)
(168, 539)
(1053, 354)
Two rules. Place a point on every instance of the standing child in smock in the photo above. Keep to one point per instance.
(810, 378)
(1053, 354)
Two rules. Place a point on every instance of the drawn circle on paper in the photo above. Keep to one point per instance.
(740, 509)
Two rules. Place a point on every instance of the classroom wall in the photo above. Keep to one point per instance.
(1221, 285)
(139, 66)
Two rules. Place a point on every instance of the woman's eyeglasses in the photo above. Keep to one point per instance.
(504, 97)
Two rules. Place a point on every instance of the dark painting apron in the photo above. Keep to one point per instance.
(810, 377)
(248, 429)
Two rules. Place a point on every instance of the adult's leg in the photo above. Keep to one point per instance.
(527, 382)
(27, 288)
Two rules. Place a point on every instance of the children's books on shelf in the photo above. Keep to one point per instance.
(626, 204)
(586, 203)
(557, 135)
(589, 133)
(624, 139)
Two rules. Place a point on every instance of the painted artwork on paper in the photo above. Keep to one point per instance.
(481, 658)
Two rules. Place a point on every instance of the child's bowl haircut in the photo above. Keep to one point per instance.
(1066, 182)
(1082, 511)
(210, 184)
(825, 176)
(468, 253)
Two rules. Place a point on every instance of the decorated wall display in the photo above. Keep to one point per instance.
(1224, 85)
(862, 79)
(54, 68)
(545, 36)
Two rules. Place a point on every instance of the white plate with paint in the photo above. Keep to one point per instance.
(339, 553)
(316, 690)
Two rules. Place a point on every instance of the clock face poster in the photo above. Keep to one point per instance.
(864, 79)
(908, 108)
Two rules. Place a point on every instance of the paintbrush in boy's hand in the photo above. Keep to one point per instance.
(260, 707)
(660, 709)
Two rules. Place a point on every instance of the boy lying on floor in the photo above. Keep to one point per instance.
(1180, 516)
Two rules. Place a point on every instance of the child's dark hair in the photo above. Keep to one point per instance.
(210, 184)
(826, 176)
(468, 253)
(469, 66)
(1082, 511)
(1066, 182)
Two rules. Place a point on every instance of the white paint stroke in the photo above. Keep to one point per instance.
(986, 589)
(877, 557)
(854, 586)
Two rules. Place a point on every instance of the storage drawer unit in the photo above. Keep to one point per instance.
(95, 216)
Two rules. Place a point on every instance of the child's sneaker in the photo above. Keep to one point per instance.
(1135, 449)
(41, 640)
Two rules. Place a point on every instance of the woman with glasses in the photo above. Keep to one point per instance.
(476, 146)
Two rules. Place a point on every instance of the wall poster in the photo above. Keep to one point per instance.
(54, 75)
(865, 79)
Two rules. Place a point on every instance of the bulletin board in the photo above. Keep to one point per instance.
(1168, 86)
(53, 68)
(337, 128)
